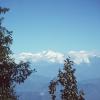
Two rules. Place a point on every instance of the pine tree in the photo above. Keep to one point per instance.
(68, 81)
(10, 72)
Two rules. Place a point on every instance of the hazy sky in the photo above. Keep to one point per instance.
(59, 25)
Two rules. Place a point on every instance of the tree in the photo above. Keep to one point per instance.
(10, 72)
(68, 82)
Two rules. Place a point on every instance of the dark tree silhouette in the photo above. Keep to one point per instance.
(10, 72)
(68, 82)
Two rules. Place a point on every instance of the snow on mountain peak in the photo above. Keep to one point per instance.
(81, 56)
(57, 57)
(50, 56)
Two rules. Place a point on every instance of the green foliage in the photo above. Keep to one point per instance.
(10, 72)
(68, 81)
(3, 10)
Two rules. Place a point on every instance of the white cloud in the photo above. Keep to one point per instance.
(52, 56)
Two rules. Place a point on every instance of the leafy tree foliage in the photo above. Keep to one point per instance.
(68, 82)
(10, 72)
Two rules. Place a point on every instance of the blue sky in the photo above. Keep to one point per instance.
(60, 25)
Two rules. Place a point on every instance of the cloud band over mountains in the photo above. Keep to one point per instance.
(57, 57)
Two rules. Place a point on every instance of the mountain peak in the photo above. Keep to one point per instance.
(57, 57)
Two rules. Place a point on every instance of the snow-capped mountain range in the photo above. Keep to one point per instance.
(47, 64)
(53, 56)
